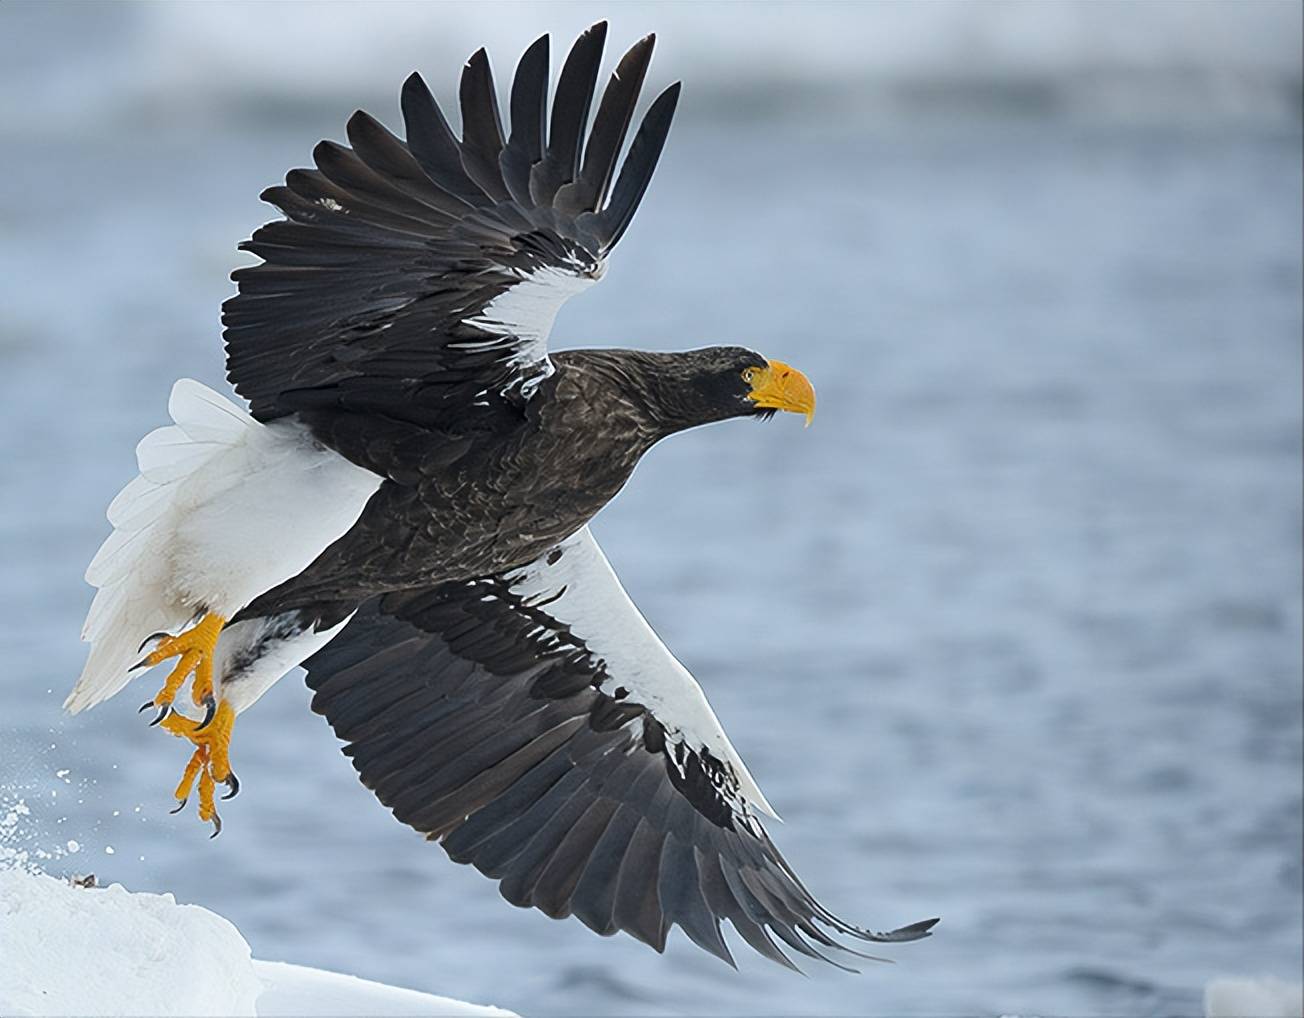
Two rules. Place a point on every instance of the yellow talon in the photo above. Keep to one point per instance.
(195, 649)
(211, 760)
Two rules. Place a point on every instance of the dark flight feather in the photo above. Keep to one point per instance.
(636, 173)
(615, 112)
(433, 144)
(529, 107)
(570, 115)
(389, 158)
(482, 127)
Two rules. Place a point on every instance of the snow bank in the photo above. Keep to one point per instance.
(70, 950)
(90, 951)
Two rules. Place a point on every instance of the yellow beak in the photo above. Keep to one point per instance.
(778, 386)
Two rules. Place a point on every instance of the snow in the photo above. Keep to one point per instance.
(70, 950)
(297, 990)
(102, 951)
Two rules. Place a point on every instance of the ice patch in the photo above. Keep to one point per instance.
(1263, 998)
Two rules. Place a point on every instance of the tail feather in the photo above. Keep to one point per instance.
(169, 454)
(137, 505)
(135, 596)
(207, 416)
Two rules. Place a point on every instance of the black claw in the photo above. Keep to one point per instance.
(139, 664)
(210, 708)
(150, 639)
(233, 786)
(180, 805)
(163, 712)
(145, 706)
(217, 827)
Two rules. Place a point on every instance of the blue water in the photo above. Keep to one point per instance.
(1011, 635)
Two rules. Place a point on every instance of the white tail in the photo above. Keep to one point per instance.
(224, 509)
(132, 570)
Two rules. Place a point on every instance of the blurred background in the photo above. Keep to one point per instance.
(1010, 636)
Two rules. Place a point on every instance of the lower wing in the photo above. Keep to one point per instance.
(536, 727)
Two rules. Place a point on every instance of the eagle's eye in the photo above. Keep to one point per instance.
(749, 375)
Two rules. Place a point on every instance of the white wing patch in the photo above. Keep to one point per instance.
(527, 310)
(580, 589)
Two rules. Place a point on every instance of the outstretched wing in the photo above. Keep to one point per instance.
(535, 725)
(419, 279)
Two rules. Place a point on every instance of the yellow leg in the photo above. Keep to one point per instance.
(211, 761)
(194, 648)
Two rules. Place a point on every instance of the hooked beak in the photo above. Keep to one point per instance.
(781, 387)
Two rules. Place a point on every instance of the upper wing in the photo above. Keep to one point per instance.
(535, 725)
(420, 278)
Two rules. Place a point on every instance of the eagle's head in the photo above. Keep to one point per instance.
(658, 394)
(738, 382)
(717, 383)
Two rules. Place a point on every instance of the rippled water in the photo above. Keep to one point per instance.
(1010, 636)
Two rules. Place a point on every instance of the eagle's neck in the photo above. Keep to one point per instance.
(633, 398)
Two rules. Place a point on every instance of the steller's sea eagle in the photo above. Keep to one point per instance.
(404, 507)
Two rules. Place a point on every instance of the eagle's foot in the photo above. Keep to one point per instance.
(210, 764)
(194, 649)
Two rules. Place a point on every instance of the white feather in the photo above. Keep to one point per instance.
(252, 655)
(581, 590)
(224, 509)
(527, 310)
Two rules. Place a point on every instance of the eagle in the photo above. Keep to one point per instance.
(403, 509)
